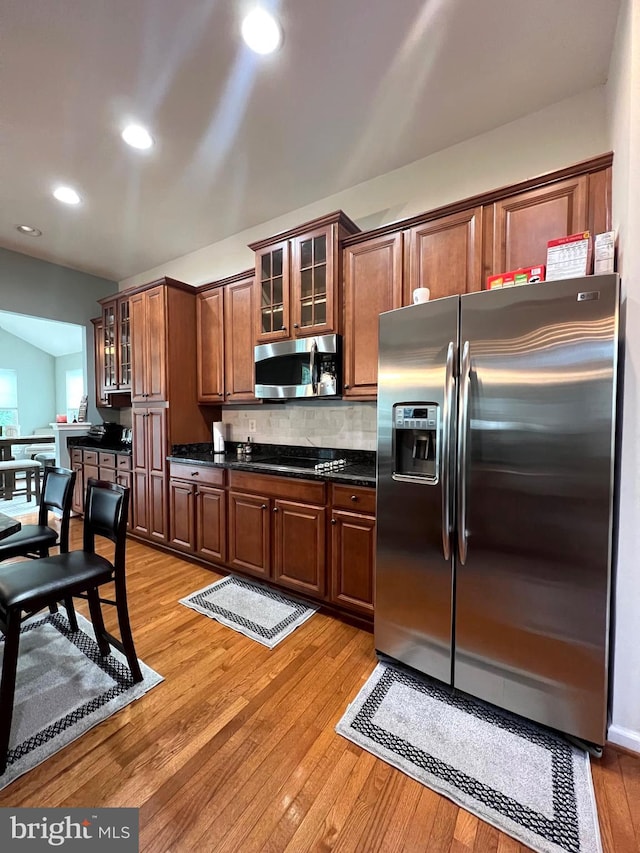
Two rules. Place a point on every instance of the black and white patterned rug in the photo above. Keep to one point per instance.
(257, 611)
(64, 687)
(520, 777)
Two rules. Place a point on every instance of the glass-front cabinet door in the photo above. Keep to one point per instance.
(313, 283)
(110, 377)
(272, 273)
(124, 345)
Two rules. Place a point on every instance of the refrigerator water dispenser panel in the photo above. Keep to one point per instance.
(416, 442)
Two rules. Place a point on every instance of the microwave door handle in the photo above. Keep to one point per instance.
(312, 366)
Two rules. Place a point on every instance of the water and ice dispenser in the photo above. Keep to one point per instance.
(416, 442)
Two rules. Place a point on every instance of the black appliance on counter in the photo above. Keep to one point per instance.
(107, 433)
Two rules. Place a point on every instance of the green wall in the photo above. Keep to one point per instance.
(41, 289)
(36, 381)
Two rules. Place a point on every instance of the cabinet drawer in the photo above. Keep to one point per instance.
(278, 487)
(123, 462)
(197, 473)
(106, 460)
(90, 457)
(76, 455)
(354, 498)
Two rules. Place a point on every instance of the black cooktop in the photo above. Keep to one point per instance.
(287, 461)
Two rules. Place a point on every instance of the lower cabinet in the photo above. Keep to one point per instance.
(197, 511)
(353, 547)
(106, 465)
(276, 528)
(149, 479)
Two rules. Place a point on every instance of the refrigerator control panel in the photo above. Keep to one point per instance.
(416, 417)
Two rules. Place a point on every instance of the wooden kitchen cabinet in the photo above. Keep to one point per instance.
(225, 316)
(197, 511)
(353, 545)
(277, 529)
(524, 223)
(148, 353)
(102, 398)
(149, 478)
(77, 501)
(372, 285)
(298, 283)
(299, 546)
(445, 255)
(250, 533)
(116, 338)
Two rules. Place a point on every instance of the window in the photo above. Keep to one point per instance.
(8, 397)
(75, 390)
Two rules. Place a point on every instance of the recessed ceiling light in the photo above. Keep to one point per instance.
(27, 229)
(66, 195)
(261, 31)
(137, 136)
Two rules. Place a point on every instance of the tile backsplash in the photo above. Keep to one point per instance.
(312, 424)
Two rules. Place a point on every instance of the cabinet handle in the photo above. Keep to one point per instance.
(264, 506)
(197, 474)
(333, 521)
(354, 498)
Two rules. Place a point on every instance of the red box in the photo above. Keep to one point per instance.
(525, 275)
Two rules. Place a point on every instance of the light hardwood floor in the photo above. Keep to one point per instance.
(236, 749)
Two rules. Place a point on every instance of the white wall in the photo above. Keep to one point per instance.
(565, 133)
(623, 106)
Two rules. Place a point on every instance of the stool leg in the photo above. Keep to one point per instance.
(38, 492)
(27, 476)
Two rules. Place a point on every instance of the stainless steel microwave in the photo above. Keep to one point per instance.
(305, 367)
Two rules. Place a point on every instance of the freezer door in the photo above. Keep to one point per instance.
(535, 490)
(416, 410)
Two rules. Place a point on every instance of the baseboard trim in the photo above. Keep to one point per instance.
(621, 736)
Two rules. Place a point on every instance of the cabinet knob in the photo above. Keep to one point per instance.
(333, 521)
(354, 498)
(275, 509)
(264, 506)
(283, 328)
(220, 394)
(347, 386)
(228, 394)
(295, 326)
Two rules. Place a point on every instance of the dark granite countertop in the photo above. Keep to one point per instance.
(360, 471)
(85, 441)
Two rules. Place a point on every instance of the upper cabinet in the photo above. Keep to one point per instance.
(299, 278)
(524, 223)
(372, 285)
(115, 346)
(445, 255)
(225, 315)
(149, 363)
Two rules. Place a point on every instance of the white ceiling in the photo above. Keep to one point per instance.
(48, 335)
(360, 87)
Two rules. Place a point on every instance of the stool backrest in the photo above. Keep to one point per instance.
(105, 514)
(57, 493)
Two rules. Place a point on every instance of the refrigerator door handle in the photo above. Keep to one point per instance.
(446, 449)
(465, 374)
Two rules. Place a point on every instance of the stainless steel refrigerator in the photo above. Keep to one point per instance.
(496, 434)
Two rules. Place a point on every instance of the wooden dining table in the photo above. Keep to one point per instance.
(8, 525)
